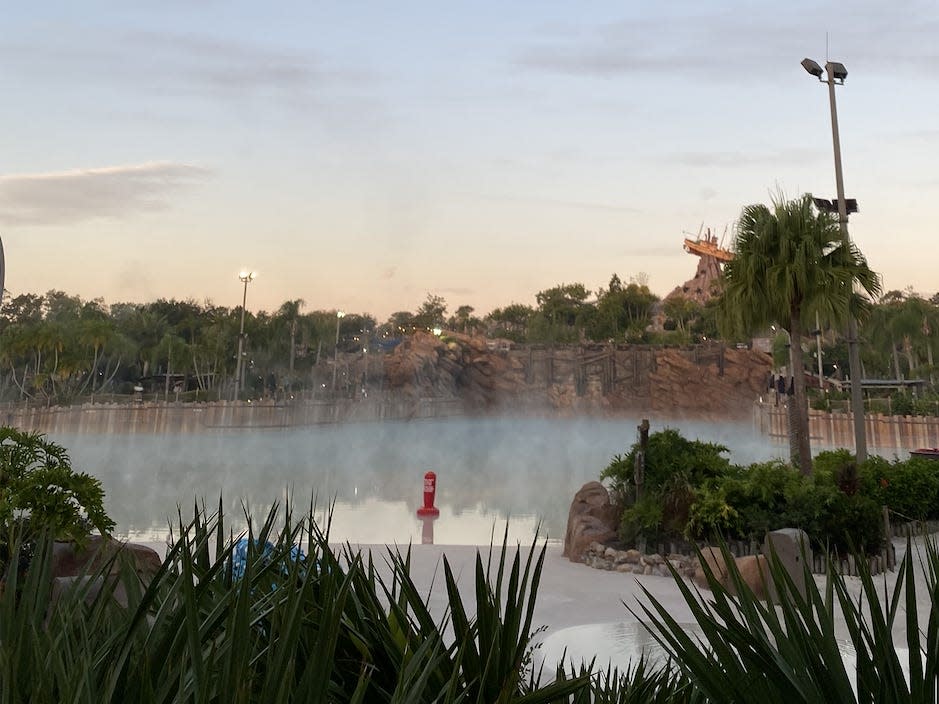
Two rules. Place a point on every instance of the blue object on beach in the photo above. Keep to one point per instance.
(239, 556)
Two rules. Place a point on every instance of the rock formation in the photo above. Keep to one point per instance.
(592, 518)
(705, 382)
(68, 560)
(700, 287)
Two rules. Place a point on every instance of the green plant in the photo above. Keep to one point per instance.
(39, 492)
(668, 453)
(329, 627)
(791, 651)
(711, 517)
(642, 520)
(909, 488)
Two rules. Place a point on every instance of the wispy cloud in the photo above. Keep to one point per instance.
(746, 159)
(180, 64)
(68, 197)
(721, 42)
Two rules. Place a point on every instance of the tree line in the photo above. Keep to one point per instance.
(56, 347)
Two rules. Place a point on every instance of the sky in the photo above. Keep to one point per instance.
(362, 155)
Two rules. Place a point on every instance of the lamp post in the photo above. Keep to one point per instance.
(836, 74)
(246, 277)
(339, 316)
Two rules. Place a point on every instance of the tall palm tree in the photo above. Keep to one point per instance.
(790, 264)
(289, 314)
(95, 333)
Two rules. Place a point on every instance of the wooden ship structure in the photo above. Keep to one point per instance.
(711, 258)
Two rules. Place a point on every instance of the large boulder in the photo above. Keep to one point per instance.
(753, 569)
(592, 518)
(70, 560)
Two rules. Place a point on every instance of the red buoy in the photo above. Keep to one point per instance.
(430, 491)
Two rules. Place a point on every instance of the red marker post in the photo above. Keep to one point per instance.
(428, 510)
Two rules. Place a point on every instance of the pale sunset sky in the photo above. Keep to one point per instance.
(360, 155)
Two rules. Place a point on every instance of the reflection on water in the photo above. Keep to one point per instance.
(488, 471)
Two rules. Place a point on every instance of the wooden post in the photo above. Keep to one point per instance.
(639, 469)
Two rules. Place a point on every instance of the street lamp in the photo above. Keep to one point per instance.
(837, 74)
(339, 316)
(246, 277)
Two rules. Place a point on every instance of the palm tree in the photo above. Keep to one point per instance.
(289, 314)
(95, 333)
(790, 264)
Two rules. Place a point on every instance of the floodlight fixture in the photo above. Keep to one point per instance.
(831, 206)
(812, 67)
(837, 71)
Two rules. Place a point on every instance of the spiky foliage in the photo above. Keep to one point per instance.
(791, 263)
(791, 651)
(327, 627)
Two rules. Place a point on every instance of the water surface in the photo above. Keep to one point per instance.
(490, 471)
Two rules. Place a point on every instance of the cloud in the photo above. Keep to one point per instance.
(80, 195)
(720, 42)
(744, 159)
(174, 64)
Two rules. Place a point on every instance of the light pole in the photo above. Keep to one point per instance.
(836, 73)
(339, 316)
(246, 277)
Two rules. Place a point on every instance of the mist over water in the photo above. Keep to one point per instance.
(489, 471)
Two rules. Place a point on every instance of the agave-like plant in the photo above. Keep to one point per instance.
(275, 626)
(788, 650)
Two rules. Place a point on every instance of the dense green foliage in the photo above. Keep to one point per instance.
(692, 492)
(40, 493)
(337, 627)
(673, 467)
(323, 627)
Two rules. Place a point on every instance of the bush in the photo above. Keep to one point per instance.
(332, 627)
(772, 495)
(711, 517)
(674, 468)
(642, 520)
(909, 488)
(667, 454)
(39, 493)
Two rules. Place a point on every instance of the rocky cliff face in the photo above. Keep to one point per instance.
(705, 382)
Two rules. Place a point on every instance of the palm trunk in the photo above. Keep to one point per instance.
(800, 412)
(929, 362)
(896, 359)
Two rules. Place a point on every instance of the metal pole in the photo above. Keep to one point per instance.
(854, 356)
(241, 339)
(818, 350)
(339, 316)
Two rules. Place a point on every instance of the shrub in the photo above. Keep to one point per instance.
(909, 488)
(333, 628)
(39, 492)
(772, 495)
(668, 453)
(642, 520)
(673, 469)
(711, 517)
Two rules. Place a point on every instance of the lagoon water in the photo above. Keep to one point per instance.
(490, 472)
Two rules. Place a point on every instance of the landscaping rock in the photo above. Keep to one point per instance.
(592, 518)
(754, 570)
(70, 561)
